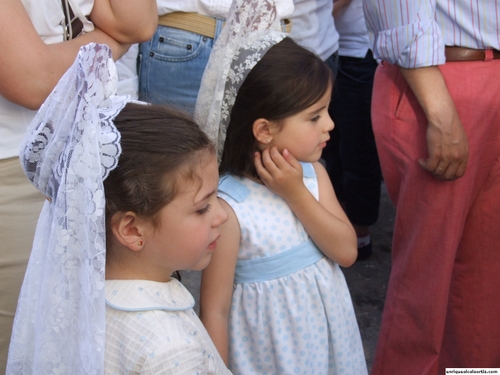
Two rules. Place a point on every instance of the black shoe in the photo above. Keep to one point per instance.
(364, 252)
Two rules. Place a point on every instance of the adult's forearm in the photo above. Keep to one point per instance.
(429, 87)
(446, 139)
(29, 68)
(33, 78)
(127, 21)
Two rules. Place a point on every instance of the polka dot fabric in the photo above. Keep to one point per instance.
(301, 323)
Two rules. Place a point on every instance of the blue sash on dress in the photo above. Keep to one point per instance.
(278, 265)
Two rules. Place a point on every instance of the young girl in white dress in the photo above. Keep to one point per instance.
(273, 298)
(131, 197)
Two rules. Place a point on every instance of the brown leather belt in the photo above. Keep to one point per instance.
(468, 54)
(197, 23)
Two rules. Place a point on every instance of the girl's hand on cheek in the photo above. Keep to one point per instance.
(280, 172)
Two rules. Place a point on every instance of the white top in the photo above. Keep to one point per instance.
(151, 328)
(350, 23)
(48, 17)
(128, 78)
(214, 8)
(313, 27)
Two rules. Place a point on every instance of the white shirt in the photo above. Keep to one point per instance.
(353, 34)
(151, 328)
(214, 8)
(128, 78)
(313, 27)
(413, 34)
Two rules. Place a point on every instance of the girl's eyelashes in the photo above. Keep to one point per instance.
(315, 118)
(204, 210)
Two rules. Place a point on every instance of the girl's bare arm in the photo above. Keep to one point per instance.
(217, 284)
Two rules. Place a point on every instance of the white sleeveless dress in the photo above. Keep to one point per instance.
(291, 311)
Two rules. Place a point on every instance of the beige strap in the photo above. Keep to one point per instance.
(193, 22)
(197, 23)
(288, 25)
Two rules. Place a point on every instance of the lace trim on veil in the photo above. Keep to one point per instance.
(251, 29)
(69, 148)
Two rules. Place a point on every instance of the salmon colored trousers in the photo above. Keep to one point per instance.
(443, 300)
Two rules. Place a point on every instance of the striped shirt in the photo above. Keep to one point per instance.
(413, 33)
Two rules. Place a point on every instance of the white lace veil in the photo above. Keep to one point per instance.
(252, 27)
(69, 149)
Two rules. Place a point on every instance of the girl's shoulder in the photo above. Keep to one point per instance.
(309, 169)
(233, 187)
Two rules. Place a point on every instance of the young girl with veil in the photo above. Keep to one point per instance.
(131, 197)
(273, 298)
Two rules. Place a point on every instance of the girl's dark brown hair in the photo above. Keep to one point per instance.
(287, 80)
(159, 146)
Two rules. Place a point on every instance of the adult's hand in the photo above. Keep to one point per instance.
(447, 145)
(281, 173)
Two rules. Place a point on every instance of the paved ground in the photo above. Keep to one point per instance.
(367, 279)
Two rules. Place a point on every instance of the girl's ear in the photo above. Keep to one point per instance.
(262, 131)
(129, 230)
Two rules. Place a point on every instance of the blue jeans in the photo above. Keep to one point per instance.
(171, 66)
(351, 155)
